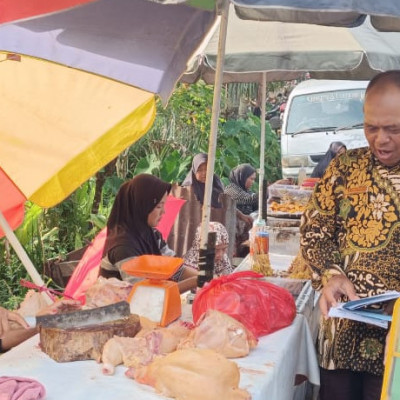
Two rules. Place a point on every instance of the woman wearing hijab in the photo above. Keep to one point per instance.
(197, 179)
(222, 265)
(131, 228)
(335, 148)
(241, 180)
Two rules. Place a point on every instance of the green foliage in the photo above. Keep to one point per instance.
(46, 234)
(239, 142)
(72, 218)
(182, 130)
(11, 292)
(179, 131)
(110, 189)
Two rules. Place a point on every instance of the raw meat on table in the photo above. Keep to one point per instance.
(33, 302)
(128, 351)
(170, 336)
(107, 291)
(195, 374)
(143, 348)
(222, 333)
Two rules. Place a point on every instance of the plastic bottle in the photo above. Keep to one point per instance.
(262, 242)
(259, 238)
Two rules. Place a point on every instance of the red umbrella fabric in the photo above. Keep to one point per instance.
(12, 10)
(11, 202)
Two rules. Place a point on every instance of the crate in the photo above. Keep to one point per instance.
(276, 222)
(60, 270)
(284, 240)
(292, 193)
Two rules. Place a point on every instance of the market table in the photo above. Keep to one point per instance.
(268, 372)
(306, 299)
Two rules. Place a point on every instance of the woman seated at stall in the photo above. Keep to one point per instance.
(222, 265)
(241, 180)
(197, 179)
(131, 229)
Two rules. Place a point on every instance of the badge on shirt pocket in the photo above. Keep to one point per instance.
(357, 190)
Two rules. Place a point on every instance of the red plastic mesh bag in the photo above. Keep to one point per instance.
(260, 306)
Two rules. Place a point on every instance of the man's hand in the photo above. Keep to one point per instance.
(337, 286)
(6, 316)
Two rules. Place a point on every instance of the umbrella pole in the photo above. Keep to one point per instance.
(37, 279)
(212, 144)
(262, 147)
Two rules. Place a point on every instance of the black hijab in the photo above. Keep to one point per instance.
(199, 187)
(324, 162)
(239, 175)
(127, 227)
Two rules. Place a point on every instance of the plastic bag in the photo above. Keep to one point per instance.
(260, 306)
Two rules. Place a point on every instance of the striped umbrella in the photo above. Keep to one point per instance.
(78, 85)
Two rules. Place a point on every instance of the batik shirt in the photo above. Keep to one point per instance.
(352, 227)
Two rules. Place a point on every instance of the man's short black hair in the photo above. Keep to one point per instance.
(383, 78)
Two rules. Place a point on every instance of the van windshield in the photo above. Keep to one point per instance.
(325, 110)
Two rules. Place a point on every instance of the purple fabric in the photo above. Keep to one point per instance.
(20, 388)
(141, 43)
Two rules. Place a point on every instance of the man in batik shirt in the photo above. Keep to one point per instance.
(350, 237)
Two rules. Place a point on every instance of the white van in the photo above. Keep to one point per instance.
(317, 113)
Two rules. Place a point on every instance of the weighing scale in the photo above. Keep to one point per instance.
(391, 377)
(155, 297)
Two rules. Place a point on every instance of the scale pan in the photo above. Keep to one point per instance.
(152, 267)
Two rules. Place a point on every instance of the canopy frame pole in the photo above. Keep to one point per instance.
(36, 278)
(262, 146)
(216, 108)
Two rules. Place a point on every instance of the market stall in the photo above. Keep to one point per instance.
(281, 366)
(270, 370)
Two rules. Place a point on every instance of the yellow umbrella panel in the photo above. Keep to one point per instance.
(60, 125)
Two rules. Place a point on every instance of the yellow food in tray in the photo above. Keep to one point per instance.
(287, 207)
(299, 268)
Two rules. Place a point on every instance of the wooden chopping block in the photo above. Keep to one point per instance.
(85, 343)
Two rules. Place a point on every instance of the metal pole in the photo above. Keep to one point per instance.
(262, 146)
(37, 279)
(212, 144)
